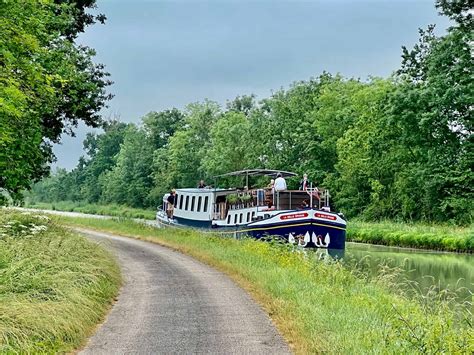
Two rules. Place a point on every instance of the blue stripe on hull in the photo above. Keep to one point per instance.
(193, 223)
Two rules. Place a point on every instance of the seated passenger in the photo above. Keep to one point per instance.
(270, 206)
(271, 185)
(304, 205)
(201, 184)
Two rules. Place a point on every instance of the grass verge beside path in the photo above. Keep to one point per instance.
(92, 208)
(417, 235)
(319, 306)
(55, 286)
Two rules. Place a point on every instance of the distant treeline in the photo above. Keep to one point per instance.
(398, 148)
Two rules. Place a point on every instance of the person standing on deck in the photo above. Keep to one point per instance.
(304, 183)
(171, 201)
(271, 185)
(280, 183)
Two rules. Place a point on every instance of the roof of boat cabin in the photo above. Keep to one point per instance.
(259, 172)
(204, 190)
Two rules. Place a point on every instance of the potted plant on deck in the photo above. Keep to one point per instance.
(246, 200)
(232, 200)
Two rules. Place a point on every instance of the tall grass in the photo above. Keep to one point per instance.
(92, 208)
(320, 306)
(417, 235)
(55, 286)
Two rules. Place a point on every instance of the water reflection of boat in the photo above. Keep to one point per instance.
(261, 212)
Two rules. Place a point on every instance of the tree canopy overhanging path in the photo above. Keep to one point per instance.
(171, 303)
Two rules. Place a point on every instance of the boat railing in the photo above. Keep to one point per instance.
(219, 211)
(284, 200)
(294, 199)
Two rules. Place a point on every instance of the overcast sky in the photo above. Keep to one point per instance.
(164, 54)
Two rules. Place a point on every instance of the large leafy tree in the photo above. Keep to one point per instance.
(160, 126)
(229, 144)
(181, 162)
(48, 83)
(102, 150)
(130, 180)
(432, 112)
(367, 150)
(290, 125)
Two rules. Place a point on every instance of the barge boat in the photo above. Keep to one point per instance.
(299, 217)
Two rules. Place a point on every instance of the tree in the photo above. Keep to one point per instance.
(130, 180)
(160, 126)
(180, 164)
(102, 150)
(47, 84)
(368, 153)
(433, 112)
(244, 104)
(229, 144)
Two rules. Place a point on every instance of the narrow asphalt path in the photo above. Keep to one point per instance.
(173, 304)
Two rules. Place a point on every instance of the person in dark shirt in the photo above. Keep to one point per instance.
(201, 184)
(171, 201)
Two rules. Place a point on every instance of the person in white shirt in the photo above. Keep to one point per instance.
(280, 183)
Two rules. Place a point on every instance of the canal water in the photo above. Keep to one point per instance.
(451, 271)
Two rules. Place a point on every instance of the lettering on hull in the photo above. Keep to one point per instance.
(325, 216)
(294, 216)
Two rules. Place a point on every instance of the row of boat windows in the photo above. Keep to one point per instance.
(183, 201)
(240, 217)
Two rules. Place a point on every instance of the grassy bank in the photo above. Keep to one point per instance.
(417, 235)
(91, 208)
(55, 286)
(320, 306)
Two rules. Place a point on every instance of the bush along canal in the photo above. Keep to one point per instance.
(416, 235)
(321, 305)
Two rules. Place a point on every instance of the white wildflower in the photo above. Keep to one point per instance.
(38, 229)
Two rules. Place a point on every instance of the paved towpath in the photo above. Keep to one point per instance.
(173, 304)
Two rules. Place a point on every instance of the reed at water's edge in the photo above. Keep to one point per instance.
(416, 235)
(320, 306)
(55, 286)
